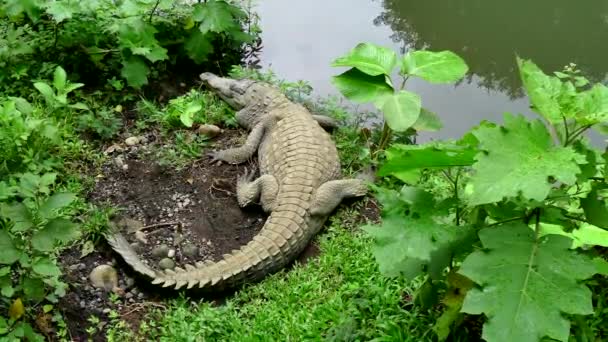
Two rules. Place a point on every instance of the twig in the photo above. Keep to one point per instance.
(162, 224)
(153, 10)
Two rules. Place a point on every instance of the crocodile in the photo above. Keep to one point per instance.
(299, 186)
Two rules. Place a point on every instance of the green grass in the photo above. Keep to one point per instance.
(340, 296)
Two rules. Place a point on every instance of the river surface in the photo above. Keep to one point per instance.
(302, 38)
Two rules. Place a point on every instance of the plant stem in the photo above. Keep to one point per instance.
(566, 128)
(576, 134)
(153, 10)
(457, 199)
(506, 221)
(385, 137)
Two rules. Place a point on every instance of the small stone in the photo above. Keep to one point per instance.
(141, 295)
(104, 277)
(160, 251)
(106, 310)
(131, 141)
(166, 263)
(83, 304)
(129, 282)
(209, 130)
(171, 253)
(190, 251)
(129, 295)
(141, 236)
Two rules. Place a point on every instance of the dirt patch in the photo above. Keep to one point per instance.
(182, 215)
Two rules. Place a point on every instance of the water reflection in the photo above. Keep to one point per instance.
(488, 34)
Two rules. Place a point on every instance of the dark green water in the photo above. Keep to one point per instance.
(301, 38)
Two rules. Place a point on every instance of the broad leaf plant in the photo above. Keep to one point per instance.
(507, 222)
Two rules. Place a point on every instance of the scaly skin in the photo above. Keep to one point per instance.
(299, 186)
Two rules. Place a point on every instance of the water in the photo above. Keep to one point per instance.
(301, 38)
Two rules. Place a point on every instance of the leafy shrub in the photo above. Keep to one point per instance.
(31, 231)
(117, 38)
(503, 221)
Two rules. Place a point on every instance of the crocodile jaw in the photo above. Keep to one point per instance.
(231, 91)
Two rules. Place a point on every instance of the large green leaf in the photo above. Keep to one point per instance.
(361, 87)
(427, 121)
(46, 267)
(594, 106)
(527, 284)
(527, 159)
(369, 58)
(595, 208)
(198, 46)
(8, 252)
(60, 79)
(402, 158)
(401, 110)
(585, 235)
(19, 214)
(57, 230)
(33, 288)
(406, 243)
(435, 67)
(56, 202)
(138, 36)
(135, 71)
(214, 15)
(543, 90)
(33, 8)
(62, 10)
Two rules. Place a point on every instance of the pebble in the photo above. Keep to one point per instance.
(104, 277)
(171, 253)
(209, 130)
(166, 263)
(106, 310)
(160, 251)
(83, 304)
(190, 251)
(137, 247)
(141, 295)
(131, 141)
(129, 295)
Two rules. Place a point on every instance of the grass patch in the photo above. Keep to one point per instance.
(340, 296)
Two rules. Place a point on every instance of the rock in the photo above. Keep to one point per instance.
(129, 295)
(104, 277)
(129, 282)
(190, 251)
(130, 225)
(132, 141)
(119, 161)
(160, 251)
(166, 263)
(141, 236)
(171, 253)
(209, 130)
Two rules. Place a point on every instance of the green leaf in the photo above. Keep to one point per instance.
(33, 288)
(8, 252)
(595, 208)
(405, 243)
(138, 36)
(601, 266)
(527, 284)
(32, 8)
(585, 235)
(135, 71)
(187, 115)
(435, 67)
(360, 87)
(3, 326)
(45, 90)
(402, 158)
(214, 16)
(427, 121)
(543, 90)
(62, 10)
(594, 106)
(198, 47)
(369, 58)
(401, 110)
(19, 214)
(22, 105)
(56, 202)
(57, 230)
(46, 267)
(527, 158)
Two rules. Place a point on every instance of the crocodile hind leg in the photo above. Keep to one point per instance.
(330, 194)
(325, 121)
(264, 188)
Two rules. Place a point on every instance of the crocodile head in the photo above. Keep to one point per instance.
(234, 92)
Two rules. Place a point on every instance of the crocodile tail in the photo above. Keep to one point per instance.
(119, 244)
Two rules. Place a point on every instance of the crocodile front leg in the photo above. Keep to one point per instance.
(264, 188)
(331, 193)
(243, 153)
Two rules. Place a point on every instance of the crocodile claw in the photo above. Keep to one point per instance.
(215, 159)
